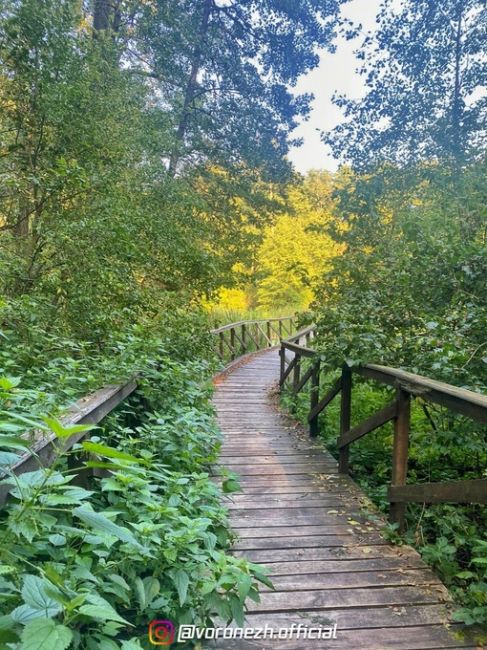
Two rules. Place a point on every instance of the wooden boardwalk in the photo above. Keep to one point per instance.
(310, 527)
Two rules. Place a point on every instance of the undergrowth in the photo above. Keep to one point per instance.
(126, 527)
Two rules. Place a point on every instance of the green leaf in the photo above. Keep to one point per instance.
(264, 579)
(181, 580)
(77, 492)
(35, 592)
(6, 568)
(7, 383)
(8, 458)
(152, 588)
(13, 442)
(101, 609)
(65, 432)
(140, 592)
(111, 485)
(244, 584)
(109, 452)
(100, 523)
(231, 485)
(21, 418)
(25, 613)
(132, 644)
(237, 610)
(46, 634)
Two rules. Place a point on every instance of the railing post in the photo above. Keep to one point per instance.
(280, 328)
(269, 334)
(232, 342)
(345, 417)
(400, 453)
(222, 348)
(282, 354)
(296, 374)
(244, 338)
(258, 336)
(314, 398)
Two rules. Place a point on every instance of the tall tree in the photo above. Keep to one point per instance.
(224, 70)
(425, 74)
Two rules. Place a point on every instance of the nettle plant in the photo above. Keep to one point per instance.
(88, 562)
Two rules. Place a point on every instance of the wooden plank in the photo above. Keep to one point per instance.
(289, 531)
(400, 453)
(301, 333)
(298, 514)
(229, 326)
(313, 399)
(333, 598)
(263, 461)
(375, 421)
(368, 552)
(280, 480)
(279, 470)
(307, 487)
(341, 566)
(303, 381)
(252, 502)
(363, 618)
(473, 491)
(307, 541)
(354, 580)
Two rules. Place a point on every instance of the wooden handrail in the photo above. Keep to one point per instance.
(87, 410)
(408, 385)
(245, 336)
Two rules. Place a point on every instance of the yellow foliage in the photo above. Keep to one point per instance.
(297, 250)
(231, 300)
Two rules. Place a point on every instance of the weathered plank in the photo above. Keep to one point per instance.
(473, 491)
(305, 523)
(375, 421)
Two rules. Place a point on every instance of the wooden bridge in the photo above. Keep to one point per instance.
(301, 515)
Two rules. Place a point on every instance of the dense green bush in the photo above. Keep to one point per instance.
(88, 561)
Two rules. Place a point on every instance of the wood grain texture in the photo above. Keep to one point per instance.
(317, 535)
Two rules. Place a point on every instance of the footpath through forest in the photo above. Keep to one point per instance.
(318, 536)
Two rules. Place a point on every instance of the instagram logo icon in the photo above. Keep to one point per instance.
(161, 632)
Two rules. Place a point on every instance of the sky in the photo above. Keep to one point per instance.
(335, 73)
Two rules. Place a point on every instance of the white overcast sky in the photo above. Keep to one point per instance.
(336, 73)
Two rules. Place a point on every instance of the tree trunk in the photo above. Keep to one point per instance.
(107, 15)
(102, 15)
(191, 87)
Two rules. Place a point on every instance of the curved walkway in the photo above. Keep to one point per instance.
(310, 527)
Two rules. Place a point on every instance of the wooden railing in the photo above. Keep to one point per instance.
(237, 339)
(245, 336)
(407, 386)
